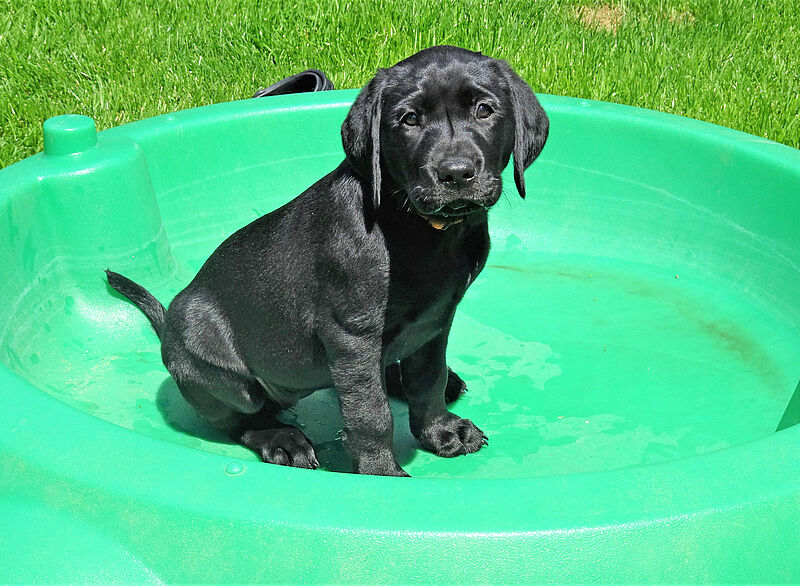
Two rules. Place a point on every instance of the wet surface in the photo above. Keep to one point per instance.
(572, 365)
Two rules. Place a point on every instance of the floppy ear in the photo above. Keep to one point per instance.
(361, 134)
(531, 126)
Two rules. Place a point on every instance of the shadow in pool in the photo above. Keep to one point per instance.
(181, 417)
(317, 416)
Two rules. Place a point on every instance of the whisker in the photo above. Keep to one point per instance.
(405, 204)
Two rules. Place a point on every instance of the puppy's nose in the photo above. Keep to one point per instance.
(456, 172)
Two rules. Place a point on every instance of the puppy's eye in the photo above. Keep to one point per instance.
(483, 111)
(410, 119)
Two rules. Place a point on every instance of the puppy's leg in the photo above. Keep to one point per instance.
(239, 406)
(368, 426)
(393, 381)
(425, 377)
(394, 384)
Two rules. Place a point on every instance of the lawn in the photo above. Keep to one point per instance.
(733, 63)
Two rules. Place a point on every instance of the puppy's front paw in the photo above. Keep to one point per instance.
(383, 471)
(450, 436)
(381, 464)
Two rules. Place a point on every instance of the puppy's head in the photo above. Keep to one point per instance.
(437, 129)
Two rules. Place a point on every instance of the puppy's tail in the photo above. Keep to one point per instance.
(141, 298)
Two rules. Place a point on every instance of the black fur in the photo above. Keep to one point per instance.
(354, 283)
(141, 297)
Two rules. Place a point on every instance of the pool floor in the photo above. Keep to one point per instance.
(573, 365)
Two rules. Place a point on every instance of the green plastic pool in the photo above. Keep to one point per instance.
(630, 350)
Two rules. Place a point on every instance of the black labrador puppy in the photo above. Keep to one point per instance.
(354, 283)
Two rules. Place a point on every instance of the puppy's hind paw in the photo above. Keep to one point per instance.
(285, 446)
(455, 387)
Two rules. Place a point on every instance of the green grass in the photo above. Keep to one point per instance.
(733, 63)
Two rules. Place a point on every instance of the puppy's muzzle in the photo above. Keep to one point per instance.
(451, 213)
(458, 207)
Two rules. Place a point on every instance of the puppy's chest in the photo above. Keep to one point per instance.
(432, 285)
(423, 296)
